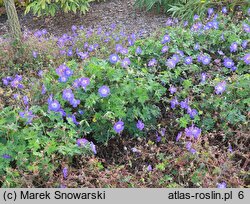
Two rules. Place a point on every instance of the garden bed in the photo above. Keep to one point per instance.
(108, 107)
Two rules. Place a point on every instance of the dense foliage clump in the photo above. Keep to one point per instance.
(186, 9)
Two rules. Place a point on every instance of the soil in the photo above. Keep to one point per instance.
(104, 13)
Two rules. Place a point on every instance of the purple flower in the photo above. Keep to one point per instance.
(84, 82)
(173, 103)
(82, 142)
(220, 87)
(74, 102)
(9, 78)
(20, 86)
(233, 47)
(6, 156)
(73, 28)
(91, 48)
(68, 72)
(43, 89)
(134, 149)
(61, 70)
(244, 44)
(169, 22)
(44, 31)
(138, 50)
(73, 119)
(125, 63)
(15, 96)
(199, 58)
(62, 112)
(178, 136)
(184, 104)
(83, 55)
(27, 114)
(124, 51)
(206, 60)
(163, 131)
(81, 112)
(152, 62)
(158, 138)
(192, 112)
(119, 126)
(196, 26)
(203, 77)
(196, 46)
(193, 131)
(220, 52)
(224, 10)
(113, 58)
(189, 145)
(172, 89)
(93, 147)
(246, 58)
(140, 125)
(26, 100)
(70, 52)
(246, 28)
(228, 63)
(209, 25)
(221, 185)
(166, 38)
(210, 11)
(233, 69)
(118, 48)
(196, 17)
(77, 83)
(16, 82)
(149, 168)
(62, 52)
(176, 58)
(131, 42)
(171, 63)
(5, 81)
(34, 53)
(104, 91)
(54, 105)
(215, 24)
(63, 79)
(164, 49)
(193, 151)
(230, 149)
(65, 172)
(40, 73)
(68, 94)
(188, 60)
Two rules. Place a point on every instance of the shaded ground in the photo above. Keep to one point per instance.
(100, 14)
(119, 165)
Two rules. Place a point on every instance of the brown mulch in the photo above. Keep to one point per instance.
(104, 13)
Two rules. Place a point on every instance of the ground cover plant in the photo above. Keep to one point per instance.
(104, 108)
(186, 9)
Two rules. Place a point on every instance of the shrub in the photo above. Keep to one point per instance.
(40, 7)
(131, 96)
(186, 9)
(33, 142)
